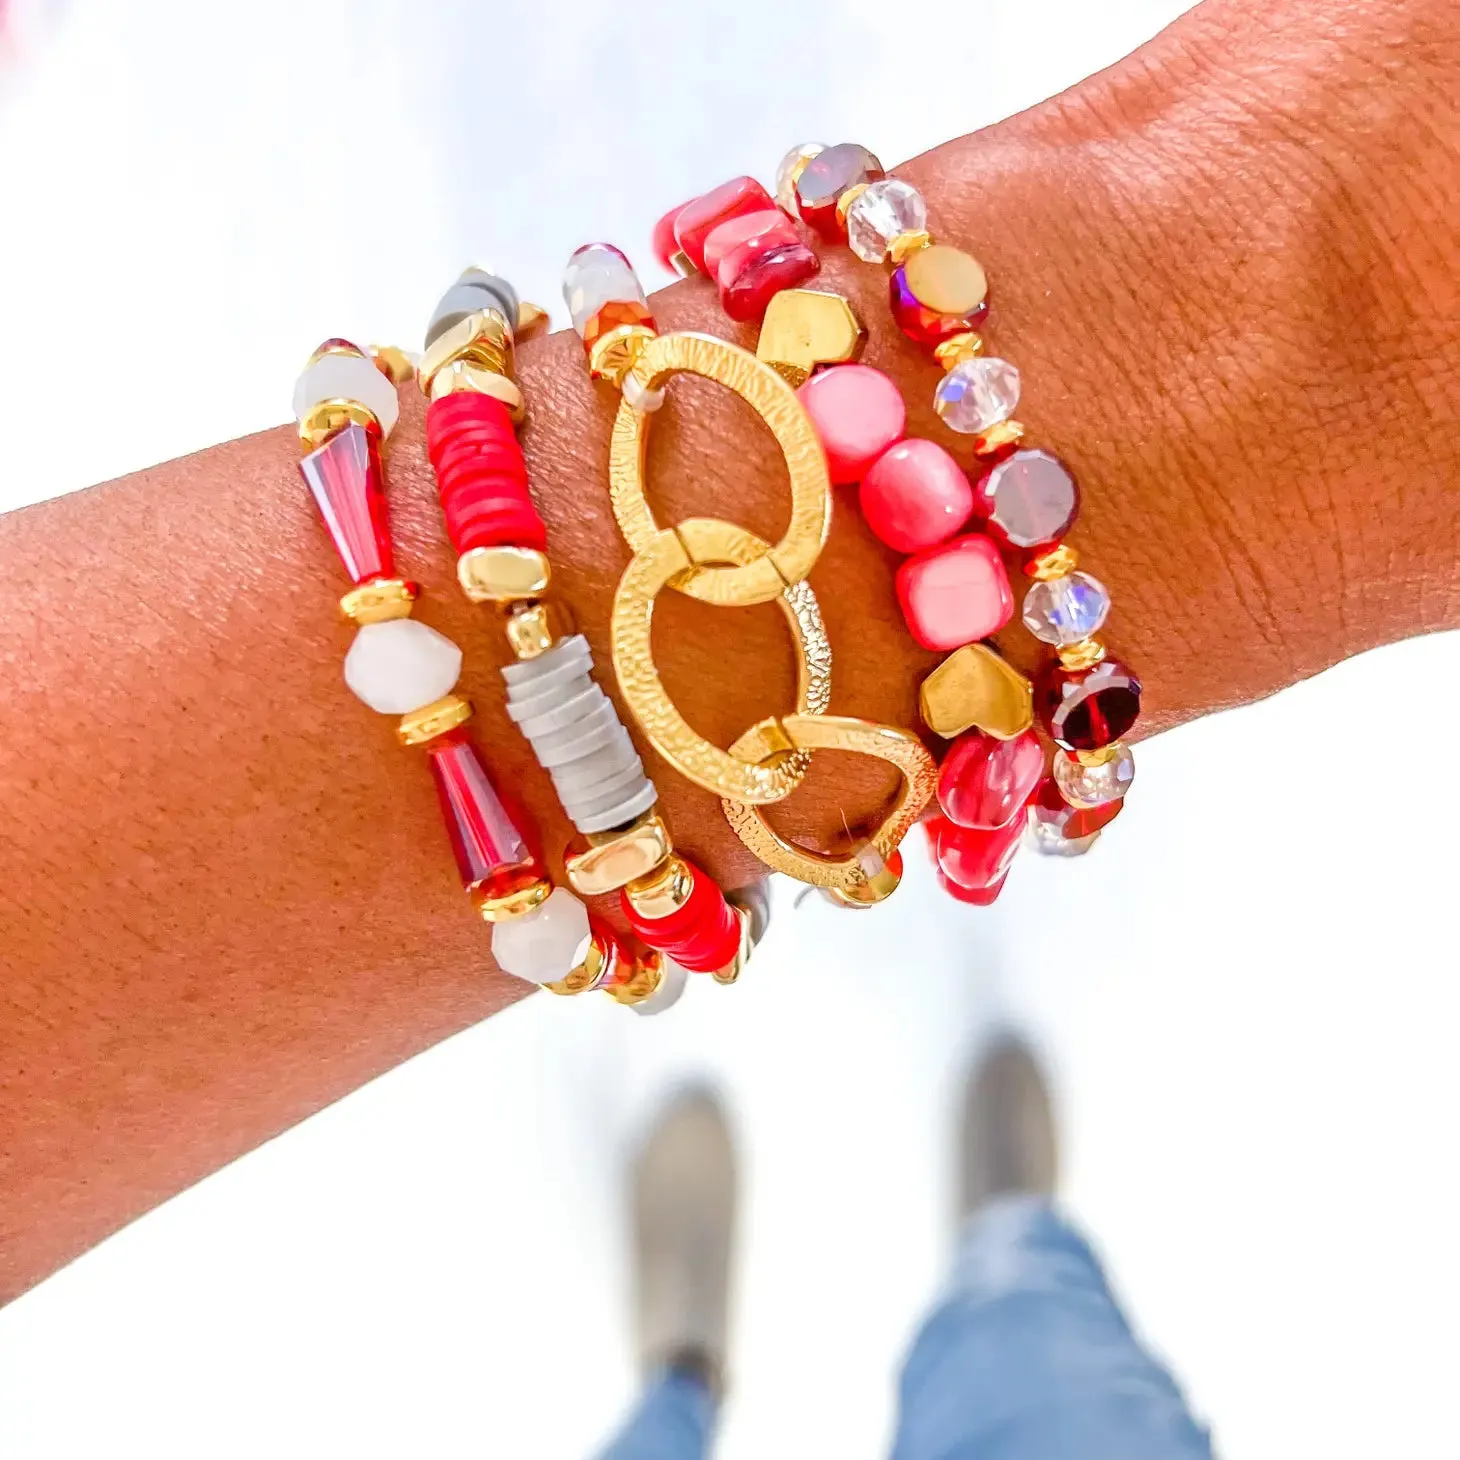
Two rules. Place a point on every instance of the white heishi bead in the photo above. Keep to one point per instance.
(667, 995)
(401, 665)
(347, 377)
(785, 189)
(976, 394)
(879, 213)
(1088, 786)
(545, 944)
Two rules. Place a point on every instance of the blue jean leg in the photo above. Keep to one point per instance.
(1027, 1357)
(673, 1421)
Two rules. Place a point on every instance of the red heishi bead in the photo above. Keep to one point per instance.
(915, 496)
(698, 218)
(1072, 822)
(767, 229)
(826, 177)
(665, 244)
(1028, 501)
(858, 413)
(344, 475)
(488, 844)
(923, 324)
(984, 783)
(702, 935)
(975, 859)
(756, 278)
(1084, 709)
(956, 593)
(978, 896)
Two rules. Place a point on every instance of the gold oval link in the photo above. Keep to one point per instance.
(761, 388)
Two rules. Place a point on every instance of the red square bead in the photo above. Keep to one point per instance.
(696, 220)
(956, 593)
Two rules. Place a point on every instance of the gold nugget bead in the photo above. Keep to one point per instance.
(323, 419)
(972, 687)
(1084, 655)
(613, 859)
(458, 375)
(533, 627)
(1059, 562)
(662, 892)
(423, 725)
(482, 339)
(1002, 437)
(530, 319)
(904, 244)
(503, 574)
(958, 348)
(378, 600)
(504, 906)
(397, 365)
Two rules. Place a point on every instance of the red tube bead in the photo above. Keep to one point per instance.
(481, 475)
(702, 935)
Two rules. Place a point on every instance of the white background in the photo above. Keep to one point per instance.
(1247, 994)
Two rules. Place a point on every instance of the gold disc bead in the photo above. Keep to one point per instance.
(1103, 756)
(457, 375)
(638, 981)
(958, 348)
(1084, 655)
(533, 627)
(327, 417)
(398, 366)
(483, 339)
(611, 356)
(663, 891)
(999, 438)
(1058, 562)
(905, 244)
(595, 968)
(503, 907)
(379, 600)
(433, 720)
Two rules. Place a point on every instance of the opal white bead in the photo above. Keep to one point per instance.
(347, 377)
(671, 986)
(599, 274)
(545, 944)
(785, 189)
(401, 665)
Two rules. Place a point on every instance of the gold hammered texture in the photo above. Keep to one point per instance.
(761, 388)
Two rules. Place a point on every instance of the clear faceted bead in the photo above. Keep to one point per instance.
(1062, 611)
(786, 173)
(882, 211)
(977, 394)
(545, 944)
(1094, 785)
(1049, 841)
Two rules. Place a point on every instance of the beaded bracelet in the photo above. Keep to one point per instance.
(624, 845)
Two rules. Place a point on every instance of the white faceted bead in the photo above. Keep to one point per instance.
(976, 394)
(545, 944)
(879, 213)
(1088, 786)
(1045, 839)
(1062, 611)
(667, 995)
(347, 377)
(401, 665)
(785, 186)
(596, 275)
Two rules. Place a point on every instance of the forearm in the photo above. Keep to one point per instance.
(225, 898)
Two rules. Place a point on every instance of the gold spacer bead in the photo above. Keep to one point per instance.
(329, 416)
(998, 438)
(458, 375)
(503, 574)
(845, 201)
(378, 600)
(530, 318)
(682, 264)
(483, 338)
(642, 982)
(662, 891)
(1084, 655)
(425, 724)
(907, 243)
(534, 627)
(732, 970)
(508, 905)
(611, 356)
(1056, 563)
(1103, 756)
(334, 347)
(394, 363)
(955, 348)
(613, 859)
(879, 886)
(590, 972)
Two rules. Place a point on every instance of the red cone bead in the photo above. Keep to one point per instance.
(984, 783)
(1072, 822)
(344, 476)
(665, 244)
(1084, 709)
(858, 413)
(697, 219)
(825, 178)
(972, 859)
(1028, 501)
(955, 593)
(915, 496)
(977, 896)
(489, 846)
(750, 280)
(767, 229)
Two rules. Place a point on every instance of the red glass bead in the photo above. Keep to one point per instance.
(697, 219)
(825, 178)
(975, 859)
(1084, 709)
(984, 783)
(858, 413)
(1028, 501)
(754, 279)
(481, 476)
(489, 846)
(937, 292)
(978, 896)
(915, 496)
(613, 314)
(955, 593)
(665, 244)
(767, 229)
(344, 476)
(1071, 822)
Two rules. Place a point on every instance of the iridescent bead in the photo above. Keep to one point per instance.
(881, 211)
(984, 783)
(1088, 786)
(1052, 818)
(825, 178)
(492, 854)
(1085, 709)
(602, 291)
(955, 593)
(699, 218)
(1062, 611)
(787, 171)
(937, 292)
(976, 394)
(344, 476)
(1028, 501)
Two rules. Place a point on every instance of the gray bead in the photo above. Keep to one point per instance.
(605, 793)
(577, 748)
(578, 777)
(587, 720)
(621, 814)
(574, 647)
(475, 290)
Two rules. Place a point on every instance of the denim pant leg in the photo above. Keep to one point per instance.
(673, 1421)
(1027, 1357)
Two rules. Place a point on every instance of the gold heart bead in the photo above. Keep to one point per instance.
(972, 687)
(804, 328)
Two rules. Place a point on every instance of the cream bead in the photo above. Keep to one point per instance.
(545, 944)
(401, 665)
(347, 377)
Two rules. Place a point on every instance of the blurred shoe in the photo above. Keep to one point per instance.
(1007, 1144)
(684, 1218)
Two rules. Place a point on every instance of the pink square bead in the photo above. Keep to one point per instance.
(915, 495)
(955, 593)
(858, 413)
(695, 221)
(770, 228)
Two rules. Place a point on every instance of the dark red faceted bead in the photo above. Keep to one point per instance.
(344, 476)
(488, 843)
(1028, 501)
(975, 859)
(749, 281)
(984, 783)
(698, 218)
(826, 177)
(1084, 709)
(1072, 822)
